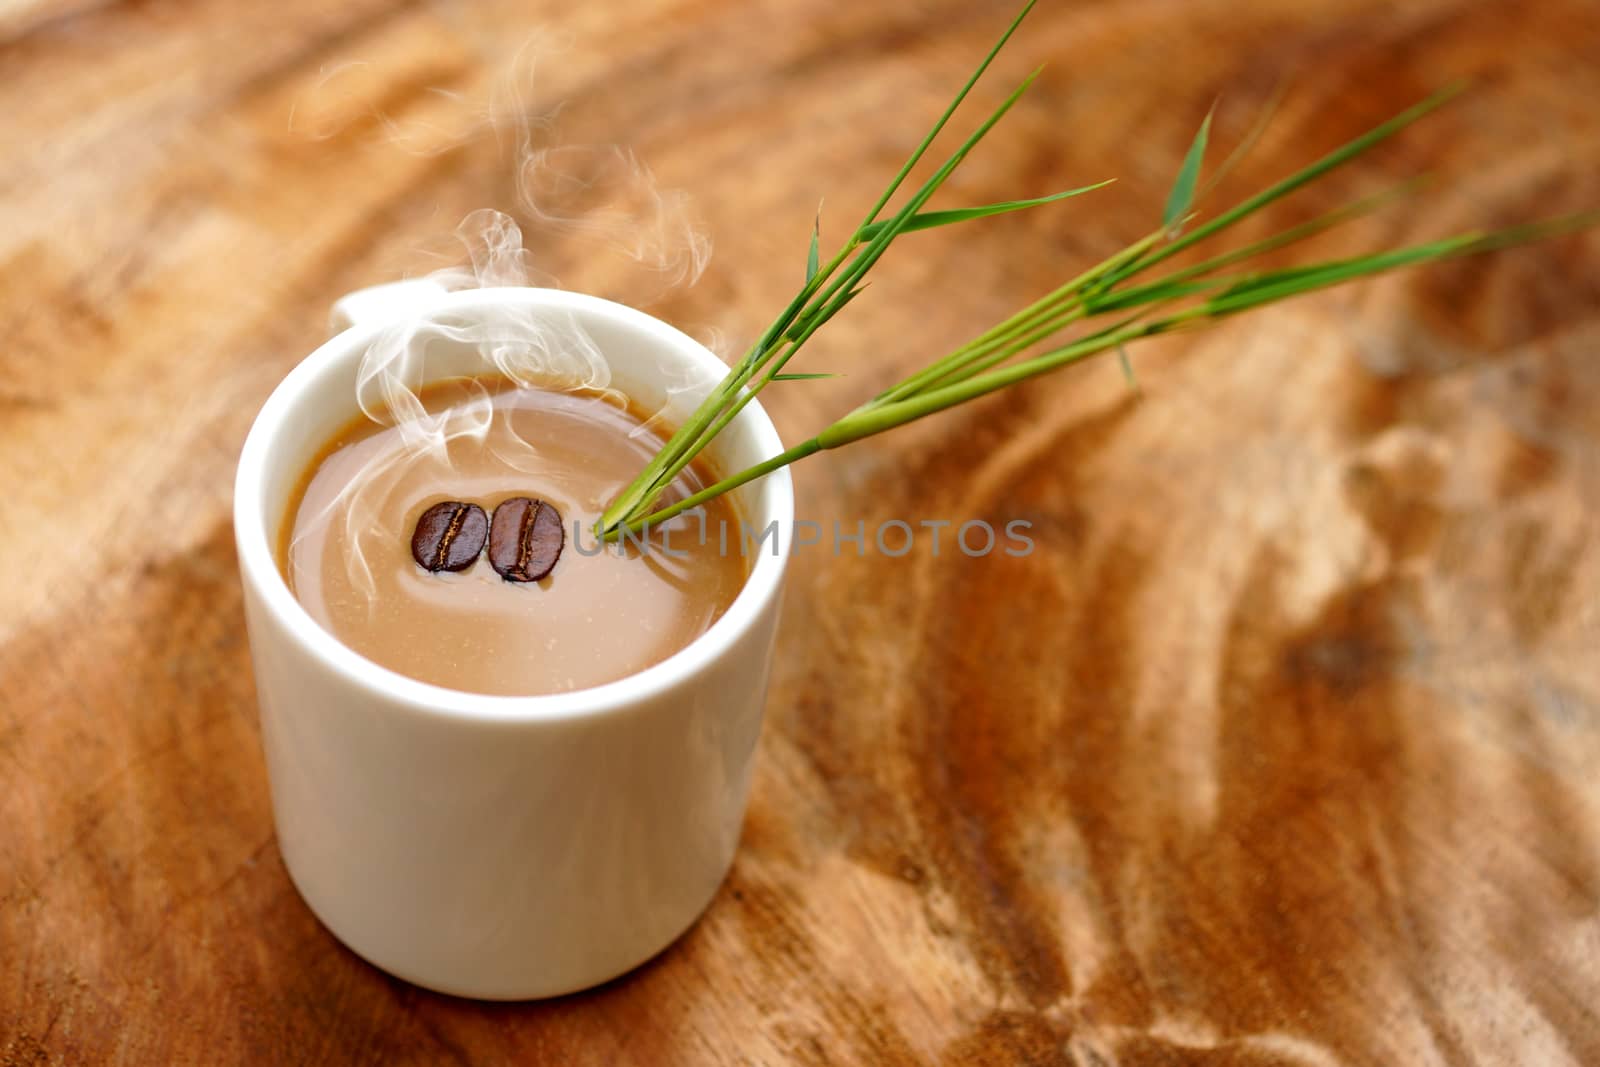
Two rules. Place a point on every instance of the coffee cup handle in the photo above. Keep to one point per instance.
(383, 303)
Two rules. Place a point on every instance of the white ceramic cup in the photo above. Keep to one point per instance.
(503, 847)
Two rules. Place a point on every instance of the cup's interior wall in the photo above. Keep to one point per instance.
(659, 370)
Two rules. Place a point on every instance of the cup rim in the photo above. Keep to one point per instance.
(258, 567)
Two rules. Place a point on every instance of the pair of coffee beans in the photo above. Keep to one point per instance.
(525, 538)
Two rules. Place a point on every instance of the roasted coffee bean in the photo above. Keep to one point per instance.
(449, 536)
(525, 539)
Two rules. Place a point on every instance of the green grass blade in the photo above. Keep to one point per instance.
(928, 220)
(831, 299)
(718, 407)
(1055, 306)
(922, 147)
(1242, 295)
(1194, 296)
(813, 259)
(750, 474)
(1127, 368)
(1326, 221)
(1267, 288)
(1005, 353)
(1154, 292)
(1181, 199)
(1281, 284)
(867, 422)
(1339, 156)
(1180, 283)
(810, 323)
(725, 402)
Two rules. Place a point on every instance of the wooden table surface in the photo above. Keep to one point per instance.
(1281, 748)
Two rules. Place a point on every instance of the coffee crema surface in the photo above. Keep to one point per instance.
(597, 617)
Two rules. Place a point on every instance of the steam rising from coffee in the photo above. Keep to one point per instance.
(600, 196)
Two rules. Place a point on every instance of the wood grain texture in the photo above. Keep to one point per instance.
(1280, 749)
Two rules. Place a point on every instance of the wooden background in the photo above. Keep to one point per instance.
(1282, 747)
